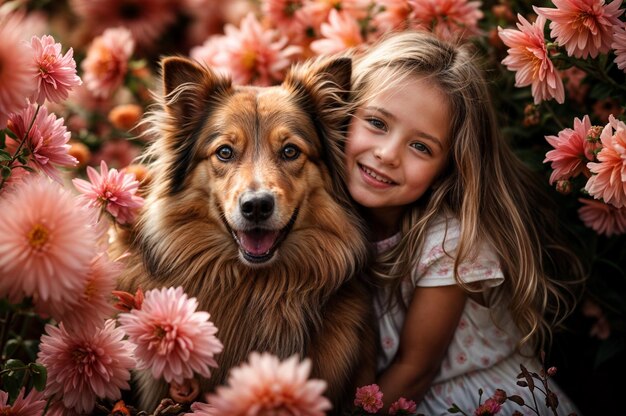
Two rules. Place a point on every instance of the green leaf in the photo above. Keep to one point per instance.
(13, 364)
(13, 380)
(11, 134)
(6, 172)
(39, 374)
(11, 346)
(2, 139)
(516, 399)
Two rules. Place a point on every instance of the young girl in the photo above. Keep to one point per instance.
(467, 253)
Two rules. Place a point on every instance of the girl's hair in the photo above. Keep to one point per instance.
(495, 197)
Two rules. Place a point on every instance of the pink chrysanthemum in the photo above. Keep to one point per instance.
(82, 368)
(583, 27)
(46, 242)
(57, 72)
(208, 51)
(489, 408)
(17, 70)
(609, 174)
(571, 151)
(113, 191)
(391, 15)
(106, 62)
(171, 338)
(370, 398)
(619, 46)
(254, 55)
(265, 385)
(603, 218)
(33, 404)
(46, 141)
(286, 16)
(408, 406)
(94, 305)
(146, 19)
(528, 57)
(448, 19)
(340, 33)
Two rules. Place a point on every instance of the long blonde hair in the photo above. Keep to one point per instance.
(495, 197)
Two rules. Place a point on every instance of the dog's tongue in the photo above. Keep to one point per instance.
(257, 242)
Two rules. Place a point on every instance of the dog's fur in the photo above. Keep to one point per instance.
(230, 159)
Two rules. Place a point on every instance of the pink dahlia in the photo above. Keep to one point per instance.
(408, 406)
(609, 174)
(265, 385)
(391, 15)
(340, 33)
(17, 71)
(33, 404)
(146, 19)
(583, 27)
(448, 19)
(82, 368)
(57, 72)
(528, 57)
(94, 305)
(112, 191)
(171, 338)
(46, 242)
(254, 55)
(603, 218)
(370, 398)
(489, 408)
(46, 140)
(106, 63)
(571, 151)
(619, 45)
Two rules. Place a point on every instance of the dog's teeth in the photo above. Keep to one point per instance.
(375, 176)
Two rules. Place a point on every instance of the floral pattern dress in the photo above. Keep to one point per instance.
(482, 352)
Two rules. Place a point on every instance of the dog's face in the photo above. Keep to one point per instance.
(257, 158)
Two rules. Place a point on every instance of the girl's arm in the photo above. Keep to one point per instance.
(431, 320)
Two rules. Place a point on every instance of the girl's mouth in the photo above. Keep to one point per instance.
(374, 177)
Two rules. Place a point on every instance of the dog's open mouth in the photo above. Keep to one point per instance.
(258, 245)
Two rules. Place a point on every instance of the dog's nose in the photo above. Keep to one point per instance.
(256, 207)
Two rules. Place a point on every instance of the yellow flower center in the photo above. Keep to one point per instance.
(38, 236)
(248, 60)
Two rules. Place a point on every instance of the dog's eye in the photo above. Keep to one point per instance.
(290, 152)
(225, 153)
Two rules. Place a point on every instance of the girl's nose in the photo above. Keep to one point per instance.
(387, 154)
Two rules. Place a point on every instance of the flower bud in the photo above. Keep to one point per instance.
(551, 371)
(564, 187)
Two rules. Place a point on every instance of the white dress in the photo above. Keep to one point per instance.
(481, 354)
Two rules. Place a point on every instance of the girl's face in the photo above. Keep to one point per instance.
(397, 145)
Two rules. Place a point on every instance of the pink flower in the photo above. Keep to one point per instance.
(33, 404)
(583, 27)
(619, 45)
(528, 56)
(94, 305)
(489, 408)
(267, 386)
(402, 404)
(448, 19)
(370, 398)
(571, 151)
(208, 51)
(46, 141)
(106, 62)
(171, 338)
(603, 218)
(254, 55)
(287, 17)
(391, 15)
(17, 71)
(82, 368)
(46, 242)
(112, 191)
(145, 19)
(202, 409)
(609, 179)
(340, 33)
(57, 72)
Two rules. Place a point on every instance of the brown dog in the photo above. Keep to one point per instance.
(248, 212)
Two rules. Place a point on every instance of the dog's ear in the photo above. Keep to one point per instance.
(322, 86)
(187, 86)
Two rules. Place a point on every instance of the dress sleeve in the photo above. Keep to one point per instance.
(436, 265)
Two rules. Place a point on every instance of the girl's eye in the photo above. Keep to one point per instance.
(290, 152)
(225, 153)
(377, 123)
(420, 147)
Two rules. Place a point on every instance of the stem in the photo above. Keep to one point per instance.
(535, 409)
(8, 370)
(4, 332)
(19, 146)
(459, 409)
(553, 114)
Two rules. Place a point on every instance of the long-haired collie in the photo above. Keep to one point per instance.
(247, 211)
